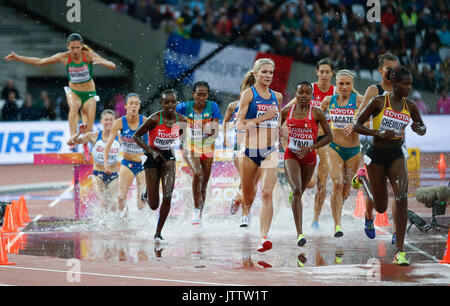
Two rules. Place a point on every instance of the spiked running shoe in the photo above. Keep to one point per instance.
(196, 217)
(159, 239)
(400, 259)
(301, 241)
(356, 182)
(245, 221)
(234, 206)
(369, 228)
(264, 245)
(338, 231)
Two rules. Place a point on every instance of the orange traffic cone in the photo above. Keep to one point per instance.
(360, 208)
(382, 220)
(9, 225)
(3, 253)
(446, 259)
(16, 213)
(441, 166)
(24, 217)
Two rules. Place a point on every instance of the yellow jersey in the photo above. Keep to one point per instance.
(389, 119)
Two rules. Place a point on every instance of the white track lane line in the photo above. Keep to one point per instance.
(62, 195)
(124, 276)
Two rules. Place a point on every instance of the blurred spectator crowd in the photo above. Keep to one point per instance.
(417, 31)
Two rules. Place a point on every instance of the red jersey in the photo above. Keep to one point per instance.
(163, 137)
(302, 132)
(318, 95)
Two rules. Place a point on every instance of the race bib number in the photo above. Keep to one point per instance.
(340, 117)
(394, 121)
(300, 137)
(79, 74)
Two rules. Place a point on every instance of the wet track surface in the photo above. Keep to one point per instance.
(220, 252)
(223, 246)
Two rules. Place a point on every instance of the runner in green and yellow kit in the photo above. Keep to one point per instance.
(80, 93)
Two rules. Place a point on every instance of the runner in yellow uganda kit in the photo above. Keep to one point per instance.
(385, 156)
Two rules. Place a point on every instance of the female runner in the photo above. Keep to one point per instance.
(81, 94)
(105, 185)
(384, 158)
(131, 165)
(303, 120)
(164, 129)
(259, 115)
(203, 118)
(385, 62)
(322, 88)
(344, 156)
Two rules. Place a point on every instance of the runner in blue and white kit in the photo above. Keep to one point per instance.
(131, 165)
(105, 185)
(259, 115)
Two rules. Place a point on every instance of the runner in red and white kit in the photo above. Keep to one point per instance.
(321, 89)
(303, 121)
(165, 128)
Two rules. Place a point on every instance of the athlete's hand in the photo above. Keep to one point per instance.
(348, 129)
(386, 134)
(303, 151)
(271, 113)
(157, 156)
(12, 57)
(418, 128)
(82, 128)
(208, 129)
(107, 169)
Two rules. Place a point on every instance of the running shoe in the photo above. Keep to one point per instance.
(315, 225)
(87, 154)
(400, 259)
(263, 264)
(338, 232)
(301, 241)
(159, 239)
(196, 216)
(245, 221)
(369, 228)
(264, 245)
(394, 239)
(234, 206)
(356, 182)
